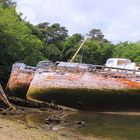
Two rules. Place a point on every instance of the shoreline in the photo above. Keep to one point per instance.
(11, 130)
(15, 129)
(126, 113)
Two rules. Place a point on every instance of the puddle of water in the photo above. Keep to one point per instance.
(116, 127)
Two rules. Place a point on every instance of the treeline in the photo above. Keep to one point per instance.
(23, 42)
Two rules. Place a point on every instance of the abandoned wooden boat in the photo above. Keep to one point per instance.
(82, 86)
(20, 79)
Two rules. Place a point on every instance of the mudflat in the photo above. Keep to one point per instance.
(11, 130)
(15, 129)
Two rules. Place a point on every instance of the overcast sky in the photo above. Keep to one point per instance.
(119, 20)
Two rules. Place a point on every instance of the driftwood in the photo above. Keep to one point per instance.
(4, 98)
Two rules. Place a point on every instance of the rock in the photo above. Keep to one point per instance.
(80, 123)
(53, 120)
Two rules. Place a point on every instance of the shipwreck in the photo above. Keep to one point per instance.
(82, 86)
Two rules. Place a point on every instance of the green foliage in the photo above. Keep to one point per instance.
(17, 43)
(128, 50)
(96, 50)
(97, 53)
(53, 37)
(70, 46)
(96, 34)
(53, 33)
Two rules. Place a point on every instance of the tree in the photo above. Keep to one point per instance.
(17, 43)
(70, 46)
(97, 49)
(7, 3)
(95, 54)
(53, 37)
(53, 33)
(128, 50)
(96, 34)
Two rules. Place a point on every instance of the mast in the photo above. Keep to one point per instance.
(78, 49)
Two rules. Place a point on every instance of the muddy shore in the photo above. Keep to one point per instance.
(24, 124)
(12, 128)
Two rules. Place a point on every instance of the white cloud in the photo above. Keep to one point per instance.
(118, 19)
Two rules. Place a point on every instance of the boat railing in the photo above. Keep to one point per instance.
(113, 70)
(99, 69)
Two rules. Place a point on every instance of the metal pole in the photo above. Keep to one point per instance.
(78, 49)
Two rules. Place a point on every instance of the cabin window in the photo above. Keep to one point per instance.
(110, 61)
(122, 62)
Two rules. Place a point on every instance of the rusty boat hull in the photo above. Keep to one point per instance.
(81, 87)
(19, 81)
(87, 91)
